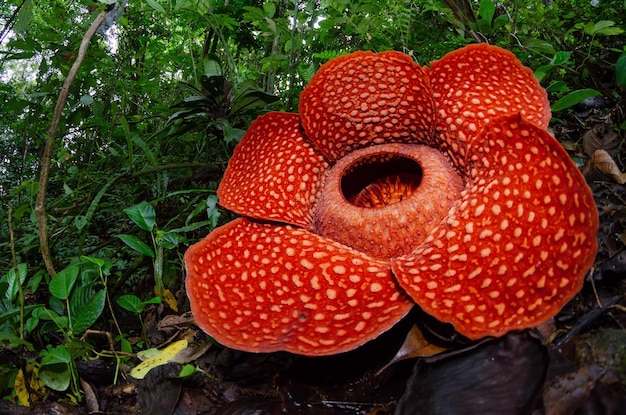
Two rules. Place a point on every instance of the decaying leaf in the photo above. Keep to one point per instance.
(415, 345)
(601, 137)
(605, 163)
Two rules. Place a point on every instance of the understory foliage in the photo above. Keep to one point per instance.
(165, 91)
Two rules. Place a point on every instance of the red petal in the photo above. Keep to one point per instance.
(516, 247)
(274, 173)
(263, 288)
(362, 99)
(477, 83)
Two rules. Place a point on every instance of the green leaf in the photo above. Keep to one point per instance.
(212, 210)
(269, 9)
(170, 239)
(559, 87)
(61, 284)
(134, 304)
(486, 10)
(136, 244)
(131, 303)
(156, 6)
(620, 70)
(11, 282)
(560, 58)
(103, 264)
(590, 28)
(542, 71)
(143, 215)
(540, 46)
(610, 31)
(86, 307)
(54, 370)
(574, 98)
(602, 24)
(212, 66)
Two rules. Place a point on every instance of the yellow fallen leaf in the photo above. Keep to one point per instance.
(167, 296)
(169, 299)
(164, 356)
(20, 389)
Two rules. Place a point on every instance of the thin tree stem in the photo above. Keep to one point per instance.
(46, 160)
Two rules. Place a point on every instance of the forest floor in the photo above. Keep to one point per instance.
(575, 365)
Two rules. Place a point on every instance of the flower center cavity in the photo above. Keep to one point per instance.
(381, 180)
(384, 200)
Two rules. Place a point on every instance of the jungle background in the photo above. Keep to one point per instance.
(117, 120)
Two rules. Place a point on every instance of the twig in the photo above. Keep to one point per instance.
(40, 206)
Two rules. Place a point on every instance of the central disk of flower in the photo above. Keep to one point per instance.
(384, 200)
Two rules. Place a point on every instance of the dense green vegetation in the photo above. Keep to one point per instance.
(165, 91)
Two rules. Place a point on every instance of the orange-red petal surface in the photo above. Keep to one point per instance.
(363, 99)
(274, 173)
(519, 242)
(264, 287)
(477, 83)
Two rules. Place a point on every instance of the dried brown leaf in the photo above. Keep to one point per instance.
(605, 163)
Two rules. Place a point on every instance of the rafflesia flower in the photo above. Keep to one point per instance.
(395, 185)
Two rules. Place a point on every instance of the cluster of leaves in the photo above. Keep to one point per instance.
(161, 99)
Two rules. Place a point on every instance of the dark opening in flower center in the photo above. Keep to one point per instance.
(380, 180)
(384, 200)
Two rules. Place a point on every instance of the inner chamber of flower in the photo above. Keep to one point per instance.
(384, 200)
(381, 180)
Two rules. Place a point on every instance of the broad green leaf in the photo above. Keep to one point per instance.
(542, 71)
(573, 98)
(232, 135)
(602, 24)
(610, 31)
(131, 303)
(559, 87)
(212, 66)
(170, 240)
(560, 57)
(24, 17)
(590, 28)
(486, 10)
(143, 215)
(156, 6)
(12, 287)
(134, 304)
(186, 371)
(270, 9)
(541, 46)
(61, 284)
(137, 244)
(14, 312)
(54, 370)
(86, 308)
